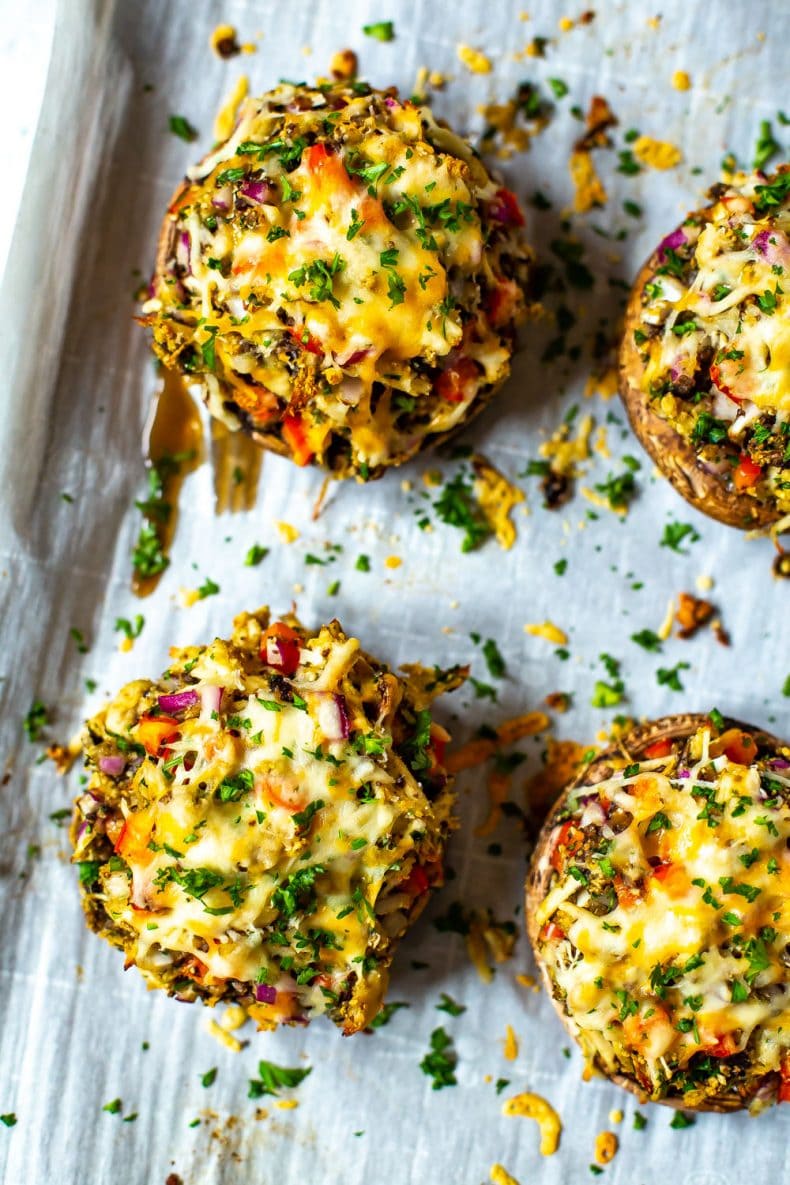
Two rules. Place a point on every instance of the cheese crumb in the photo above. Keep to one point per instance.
(588, 189)
(233, 1018)
(681, 80)
(566, 24)
(534, 1106)
(287, 1104)
(188, 597)
(406, 485)
(511, 1044)
(393, 561)
(606, 1145)
(615, 1117)
(604, 384)
(704, 583)
(548, 630)
(287, 533)
(474, 60)
(657, 154)
(500, 1176)
(126, 644)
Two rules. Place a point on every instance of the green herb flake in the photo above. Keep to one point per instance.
(440, 1062)
(272, 1079)
(180, 126)
(380, 30)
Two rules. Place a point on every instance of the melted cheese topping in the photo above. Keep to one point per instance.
(275, 837)
(715, 334)
(342, 273)
(665, 927)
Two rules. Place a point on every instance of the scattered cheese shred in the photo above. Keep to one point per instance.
(588, 188)
(704, 583)
(226, 116)
(606, 1145)
(287, 533)
(474, 60)
(566, 24)
(498, 789)
(188, 598)
(665, 629)
(681, 80)
(548, 630)
(511, 1044)
(287, 1104)
(496, 496)
(475, 752)
(222, 1035)
(487, 939)
(393, 561)
(500, 1176)
(564, 451)
(533, 1106)
(616, 1116)
(657, 154)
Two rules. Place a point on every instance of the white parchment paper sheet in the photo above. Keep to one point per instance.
(77, 379)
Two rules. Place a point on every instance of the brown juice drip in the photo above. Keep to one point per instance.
(174, 429)
(236, 461)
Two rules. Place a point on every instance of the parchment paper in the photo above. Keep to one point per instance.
(78, 378)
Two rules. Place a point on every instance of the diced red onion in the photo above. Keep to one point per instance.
(265, 993)
(113, 765)
(88, 803)
(83, 827)
(179, 701)
(210, 699)
(391, 103)
(684, 773)
(353, 356)
(773, 246)
(282, 653)
(779, 763)
(221, 198)
(671, 243)
(592, 815)
(257, 192)
(333, 717)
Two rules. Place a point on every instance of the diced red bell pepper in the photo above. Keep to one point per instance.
(569, 837)
(741, 749)
(306, 340)
(716, 377)
(747, 473)
(784, 1086)
(551, 932)
(153, 732)
(505, 208)
(725, 1046)
(295, 437)
(416, 882)
(659, 748)
(453, 383)
(280, 648)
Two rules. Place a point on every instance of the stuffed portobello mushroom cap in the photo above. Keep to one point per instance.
(705, 358)
(264, 822)
(341, 278)
(658, 907)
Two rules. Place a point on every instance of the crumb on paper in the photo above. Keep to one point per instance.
(488, 940)
(498, 1175)
(565, 24)
(233, 1018)
(657, 154)
(510, 126)
(561, 762)
(498, 787)
(497, 496)
(287, 532)
(558, 701)
(476, 751)
(222, 1035)
(654, 22)
(603, 383)
(681, 80)
(616, 1116)
(566, 452)
(528, 981)
(187, 596)
(606, 1145)
(406, 485)
(474, 60)
(534, 1106)
(665, 629)
(597, 121)
(547, 630)
(510, 1047)
(225, 118)
(393, 561)
(432, 477)
(587, 185)
(704, 583)
(64, 756)
(344, 65)
(692, 613)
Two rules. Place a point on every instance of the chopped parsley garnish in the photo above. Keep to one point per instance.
(494, 660)
(8, 1119)
(457, 507)
(209, 1078)
(681, 1120)
(675, 533)
(440, 1062)
(234, 787)
(386, 1012)
(670, 676)
(451, 1006)
(180, 126)
(619, 491)
(130, 629)
(297, 892)
(35, 721)
(708, 430)
(380, 30)
(272, 1079)
(648, 640)
(766, 145)
(255, 555)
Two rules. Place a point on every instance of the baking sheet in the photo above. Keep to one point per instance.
(78, 379)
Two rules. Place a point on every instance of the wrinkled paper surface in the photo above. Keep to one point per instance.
(78, 380)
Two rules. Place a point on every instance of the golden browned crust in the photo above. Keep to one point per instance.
(540, 870)
(674, 455)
